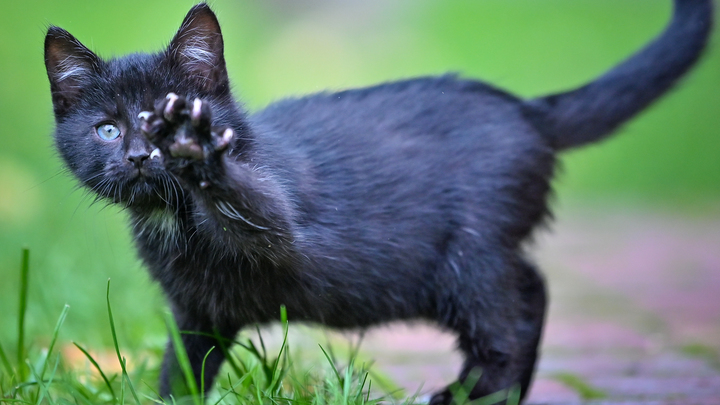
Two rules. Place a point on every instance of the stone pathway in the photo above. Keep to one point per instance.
(635, 309)
(634, 316)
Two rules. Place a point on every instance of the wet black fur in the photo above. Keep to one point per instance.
(406, 200)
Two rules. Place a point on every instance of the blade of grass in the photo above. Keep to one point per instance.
(585, 390)
(39, 382)
(267, 370)
(182, 358)
(514, 396)
(78, 392)
(117, 350)
(364, 381)
(19, 387)
(461, 390)
(355, 349)
(258, 394)
(157, 394)
(491, 399)
(332, 363)
(122, 384)
(24, 270)
(51, 378)
(347, 381)
(223, 346)
(97, 367)
(44, 385)
(55, 334)
(202, 373)
(232, 361)
(277, 377)
(386, 384)
(231, 390)
(262, 342)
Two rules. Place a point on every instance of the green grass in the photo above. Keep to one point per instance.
(40, 375)
(582, 387)
(700, 351)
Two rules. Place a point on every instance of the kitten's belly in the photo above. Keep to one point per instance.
(237, 291)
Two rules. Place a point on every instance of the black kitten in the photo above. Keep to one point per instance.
(405, 200)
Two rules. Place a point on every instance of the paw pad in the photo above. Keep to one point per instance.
(181, 129)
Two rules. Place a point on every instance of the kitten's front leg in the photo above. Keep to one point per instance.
(235, 202)
(205, 346)
(232, 215)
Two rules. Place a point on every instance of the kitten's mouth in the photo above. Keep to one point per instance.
(145, 188)
(139, 175)
(144, 176)
(148, 184)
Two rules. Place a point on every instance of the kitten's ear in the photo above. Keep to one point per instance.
(197, 49)
(69, 65)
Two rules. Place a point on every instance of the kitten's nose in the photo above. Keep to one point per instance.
(138, 156)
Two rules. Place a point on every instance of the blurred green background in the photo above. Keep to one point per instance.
(667, 159)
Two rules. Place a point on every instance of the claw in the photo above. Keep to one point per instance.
(155, 153)
(196, 110)
(172, 98)
(227, 135)
(144, 115)
(225, 139)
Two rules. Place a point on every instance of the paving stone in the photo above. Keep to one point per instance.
(659, 388)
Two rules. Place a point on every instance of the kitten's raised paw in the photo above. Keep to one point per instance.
(184, 130)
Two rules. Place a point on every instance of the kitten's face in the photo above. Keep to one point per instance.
(97, 102)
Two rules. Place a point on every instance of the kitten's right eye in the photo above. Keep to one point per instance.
(107, 132)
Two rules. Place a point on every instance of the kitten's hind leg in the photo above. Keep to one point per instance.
(530, 325)
(205, 347)
(496, 305)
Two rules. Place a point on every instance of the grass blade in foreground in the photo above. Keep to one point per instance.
(24, 270)
(60, 321)
(125, 375)
(202, 376)
(97, 367)
(182, 358)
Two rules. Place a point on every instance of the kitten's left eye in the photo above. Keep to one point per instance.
(107, 132)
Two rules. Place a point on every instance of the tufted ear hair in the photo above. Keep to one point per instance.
(69, 65)
(197, 49)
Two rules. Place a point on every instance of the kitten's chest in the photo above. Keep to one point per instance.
(161, 231)
(202, 276)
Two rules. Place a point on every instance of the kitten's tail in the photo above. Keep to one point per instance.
(591, 112)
